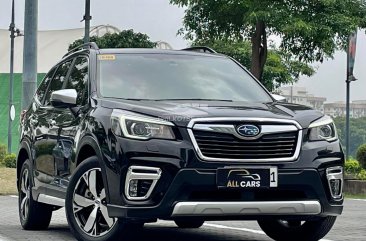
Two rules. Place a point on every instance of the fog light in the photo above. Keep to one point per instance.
(335, 186)
(335, 181)
(141, 181)
(133, 188)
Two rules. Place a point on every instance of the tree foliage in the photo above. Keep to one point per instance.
(352, 166)
(357, 132)
(279, 69)
(361, 155)
(310, 30)
(10, 160)
(124, 39)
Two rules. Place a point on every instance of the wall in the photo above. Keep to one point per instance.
(4, 108)
(355, 187)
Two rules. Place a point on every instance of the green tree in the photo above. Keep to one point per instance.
(361, 155)
(357, 132)
(310, 30)
(124, 39)
(280, 67)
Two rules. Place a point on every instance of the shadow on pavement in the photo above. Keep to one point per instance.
(149, 233)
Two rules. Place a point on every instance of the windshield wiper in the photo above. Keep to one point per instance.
(134, 99)
(194, 99)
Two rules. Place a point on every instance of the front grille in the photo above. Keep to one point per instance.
(226, 146)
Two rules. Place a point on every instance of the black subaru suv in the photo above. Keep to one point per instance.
(123, 137)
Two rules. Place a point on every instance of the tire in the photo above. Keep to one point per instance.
(32, 214)
(85, 206)
(189, 223)
(281, 230)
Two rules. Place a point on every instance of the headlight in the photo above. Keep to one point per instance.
(323, 129)
(140, 127)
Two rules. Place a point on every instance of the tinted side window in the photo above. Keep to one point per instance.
(78, 79)
(42, 89)
(58, 80)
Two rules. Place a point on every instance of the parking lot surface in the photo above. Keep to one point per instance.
(350, 226)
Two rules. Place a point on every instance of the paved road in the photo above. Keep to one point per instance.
(350, 226)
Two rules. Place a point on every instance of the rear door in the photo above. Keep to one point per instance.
(39, 130)
(46, 135)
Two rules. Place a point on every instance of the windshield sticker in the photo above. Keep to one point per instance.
(107, 57)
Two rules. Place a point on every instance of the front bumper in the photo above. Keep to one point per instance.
(193, 192)
(245, 208)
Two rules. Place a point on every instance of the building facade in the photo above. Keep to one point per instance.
(338, 109)
(299, 95)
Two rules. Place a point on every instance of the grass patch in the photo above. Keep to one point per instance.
(8, 179)
(353, 196)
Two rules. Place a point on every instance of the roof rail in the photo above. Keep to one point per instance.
(202, 49)
(90, 45)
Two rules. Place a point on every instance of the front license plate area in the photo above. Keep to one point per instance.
(247, 177)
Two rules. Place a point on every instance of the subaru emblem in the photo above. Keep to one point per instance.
(248, 130)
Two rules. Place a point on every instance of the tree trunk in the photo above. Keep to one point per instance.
(259, 50)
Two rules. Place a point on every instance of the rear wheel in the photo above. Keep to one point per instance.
(289, 230)
(33, 215)
(189, 223)
(86, 207)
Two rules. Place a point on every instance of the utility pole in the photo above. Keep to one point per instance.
(351, 57)
(87, 19)
(11, 77)
(292, 94)
(14, 32)
(348, 83)
(30, 52)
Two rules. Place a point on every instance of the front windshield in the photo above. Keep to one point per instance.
(176, 77)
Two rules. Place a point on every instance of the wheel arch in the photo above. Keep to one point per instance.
(89, 147)
(23, 154)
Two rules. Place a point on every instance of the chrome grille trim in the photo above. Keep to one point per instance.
(230, 129)
(224, 128)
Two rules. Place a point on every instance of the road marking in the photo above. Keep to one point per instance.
(2, 238)
(13, 196)
(242, 229)
(233, 228)
(356, 199)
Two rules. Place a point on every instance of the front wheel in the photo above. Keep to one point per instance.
(86, 208)
(289, 230)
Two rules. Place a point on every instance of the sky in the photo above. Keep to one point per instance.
(161, 21)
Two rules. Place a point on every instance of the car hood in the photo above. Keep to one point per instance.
(181, 112)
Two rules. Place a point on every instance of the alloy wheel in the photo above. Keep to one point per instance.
(89, 204)
(24, 194)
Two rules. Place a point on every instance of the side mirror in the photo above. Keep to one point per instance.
(279, 98)
(64, 98)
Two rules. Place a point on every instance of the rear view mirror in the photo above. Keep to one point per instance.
(64, 98)
(279, 98)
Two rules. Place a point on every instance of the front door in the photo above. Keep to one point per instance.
(68, 122)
